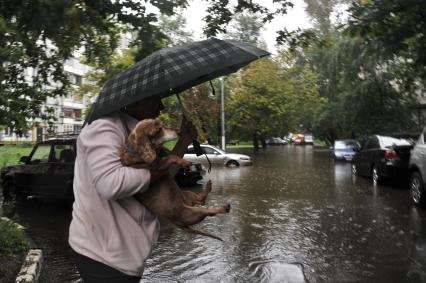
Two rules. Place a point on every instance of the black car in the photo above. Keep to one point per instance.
(48, 172)
(383, 157)
(187, 177)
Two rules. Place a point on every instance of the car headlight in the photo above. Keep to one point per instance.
(244, 158)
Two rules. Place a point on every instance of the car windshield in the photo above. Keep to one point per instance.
(207, 150)
(211, 150)
(389, 141)
(41, 154)
(346, 144)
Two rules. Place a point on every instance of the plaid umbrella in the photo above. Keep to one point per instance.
(173, 70)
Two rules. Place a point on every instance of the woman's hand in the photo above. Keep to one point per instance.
(188, 133)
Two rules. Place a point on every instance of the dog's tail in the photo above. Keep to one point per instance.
(193, 231)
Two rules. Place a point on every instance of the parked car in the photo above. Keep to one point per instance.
(217, 156)
(276, 141)
(187, 177)
(345, 149)
(417, 169)
(382, 157)
(297, 139)
(309, 139)
(48, 172)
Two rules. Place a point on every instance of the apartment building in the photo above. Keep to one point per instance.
(68, 109)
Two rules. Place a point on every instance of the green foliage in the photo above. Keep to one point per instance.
(37, 36)
(392, 28)
(174, 26)
(246, 27)
(367, 88)
(101, 72)
(12, 239)
(220, 13)
(361, 91)
(271, 99)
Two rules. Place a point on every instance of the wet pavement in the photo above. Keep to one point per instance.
(296, 216)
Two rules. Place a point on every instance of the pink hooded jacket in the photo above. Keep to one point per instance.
(108, 224)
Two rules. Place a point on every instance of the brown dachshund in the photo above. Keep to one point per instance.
(143, 149)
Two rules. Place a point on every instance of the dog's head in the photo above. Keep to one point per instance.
(148, 135)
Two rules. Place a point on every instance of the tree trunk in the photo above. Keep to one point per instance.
(262, 140)
(255, 141)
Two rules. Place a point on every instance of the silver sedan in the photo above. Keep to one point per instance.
(218, 156)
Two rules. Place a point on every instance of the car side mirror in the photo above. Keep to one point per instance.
(24, 159)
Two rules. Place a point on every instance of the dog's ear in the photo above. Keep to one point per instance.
(140, 136)
(153, 128)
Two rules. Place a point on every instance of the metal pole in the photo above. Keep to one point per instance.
(222, 104)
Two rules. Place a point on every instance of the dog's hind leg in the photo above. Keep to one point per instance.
(206, 190)
(191, 198)
(191, 215)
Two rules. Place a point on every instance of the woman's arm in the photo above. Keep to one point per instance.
(188, 133)
(100, 144)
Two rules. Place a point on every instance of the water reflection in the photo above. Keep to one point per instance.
(295, 215)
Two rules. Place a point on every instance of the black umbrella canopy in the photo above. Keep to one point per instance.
(173, 70)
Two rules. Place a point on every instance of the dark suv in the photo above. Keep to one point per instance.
(48, 172)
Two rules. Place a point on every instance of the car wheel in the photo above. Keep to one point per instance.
(232, 163)
(417, 191)
(354, 170)
(375, 175)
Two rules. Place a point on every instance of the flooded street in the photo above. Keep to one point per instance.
(296, 216)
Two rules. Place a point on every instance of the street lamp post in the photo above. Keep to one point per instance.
(222, 106)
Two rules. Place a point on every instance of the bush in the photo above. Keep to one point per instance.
(12, 239)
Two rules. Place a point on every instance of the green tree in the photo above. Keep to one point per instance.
(365, 91)
(175, 29)
(246, 27)
(392, 28)
(270, 98)
(362, 93)
(40, 35)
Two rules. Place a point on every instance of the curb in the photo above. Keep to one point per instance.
(31, 267)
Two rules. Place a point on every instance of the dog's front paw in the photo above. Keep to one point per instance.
(227, 208)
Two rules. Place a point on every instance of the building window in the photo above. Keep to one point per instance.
(75, 79)
(77, 113)
(68, 128)
(68, 113)
(71, 113)
(77, 129)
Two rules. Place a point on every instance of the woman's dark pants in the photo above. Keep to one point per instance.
(92, 271)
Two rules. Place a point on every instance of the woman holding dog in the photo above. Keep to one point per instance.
(111, 233)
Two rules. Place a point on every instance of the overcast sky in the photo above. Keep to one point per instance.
(295, 18)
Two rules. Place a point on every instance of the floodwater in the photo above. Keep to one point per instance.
(296, 216)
